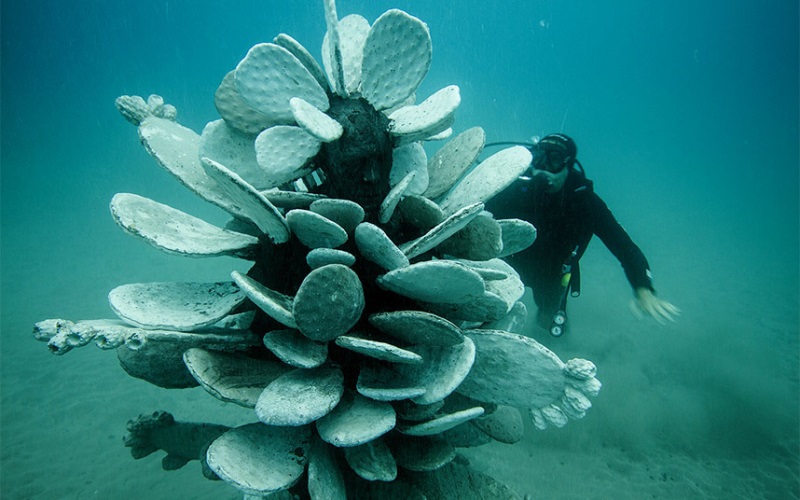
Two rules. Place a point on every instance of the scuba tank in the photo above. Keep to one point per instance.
(559, 323)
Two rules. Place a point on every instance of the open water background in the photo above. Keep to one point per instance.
(686, 118)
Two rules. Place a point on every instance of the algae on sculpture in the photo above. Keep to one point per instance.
(372, 334)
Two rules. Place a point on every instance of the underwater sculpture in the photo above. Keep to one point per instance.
(373, 333)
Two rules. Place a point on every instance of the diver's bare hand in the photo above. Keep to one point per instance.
(645, 302)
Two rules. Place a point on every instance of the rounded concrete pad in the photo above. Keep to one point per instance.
(283, 152)
(443, 369)
(356, 420)
(277, 305)
(314, 230)
(376, 246)
(346, 213)
(487, 179)
(314, 121)
(245, 202)
(372, 461)
(300, 396)
(259, 459)
(442, 423)
(179, 306)
(417, 327)
(378, 350)
(437, 281)
(174, 231)
(397, 56)
(329, 302)
(448, 164)
(270, 75)
(513, 370)
(236, 112)
(295, 349)
(232, 378)
(319, 257)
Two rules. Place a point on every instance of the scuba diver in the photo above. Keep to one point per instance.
(558, 199)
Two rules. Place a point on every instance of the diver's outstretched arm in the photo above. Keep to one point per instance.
(645, 302)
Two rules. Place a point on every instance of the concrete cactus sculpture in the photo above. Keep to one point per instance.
(372, 333)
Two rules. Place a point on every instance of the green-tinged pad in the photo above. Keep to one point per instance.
(375, 246)
(295, 349)
(300, 396)
(372, 461)
(178, 306)
(504, 424)
(314, 121)
(422, 453)
(443, 369)
(417, 327)
(236, 112)
(233, 149)
(441, 423)
(291, 199)
(319, 257)
(314, 230)
(431, 116)
(478, 240)
(538, 379)
(420, 212)
(517, 235)
(270, 75)
(176, 232)
(452, 160)
(230, 377)
(488, 307)
(389, 204)
(438, 281)
(352, 31)
(304, 56)
(383, 384)
(442, 231)
(329, 302)
(410, 158)
(378, 350)
(487, 179)
(348, 214)
(356, 420)
(397, 56)
(176, 148)
(277, 305)
(259, 459)
(283, 152)
(245, 202)
(324, 476)
(466, 436)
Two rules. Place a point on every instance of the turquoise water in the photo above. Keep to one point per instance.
(686, 118)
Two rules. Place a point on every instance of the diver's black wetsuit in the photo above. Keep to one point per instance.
(563, 221)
